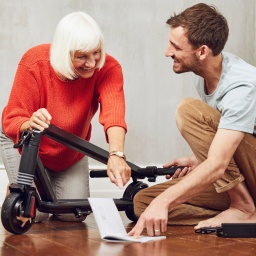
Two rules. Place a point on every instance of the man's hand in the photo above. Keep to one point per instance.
(190, 162)
(154, 219)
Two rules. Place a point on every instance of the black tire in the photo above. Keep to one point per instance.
(12, 210)
(129, 194)
(130, 214)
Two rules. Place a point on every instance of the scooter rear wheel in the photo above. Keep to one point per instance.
(11, 214)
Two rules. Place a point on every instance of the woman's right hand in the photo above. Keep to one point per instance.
(39, 120)
(189, 162)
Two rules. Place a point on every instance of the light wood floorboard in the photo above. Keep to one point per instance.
(53, 237)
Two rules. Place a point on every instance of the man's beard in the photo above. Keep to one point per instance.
(192, 66)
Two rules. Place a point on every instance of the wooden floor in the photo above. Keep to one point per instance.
(53, 237)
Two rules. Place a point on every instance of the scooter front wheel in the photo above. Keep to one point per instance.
(12, 214)
(129, 194)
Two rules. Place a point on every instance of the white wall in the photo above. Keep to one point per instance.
(136, 34)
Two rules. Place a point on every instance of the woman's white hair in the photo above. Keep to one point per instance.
(75, 32)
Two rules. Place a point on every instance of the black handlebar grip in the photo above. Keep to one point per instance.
(149, 171)
(168, 171)
(98, 174)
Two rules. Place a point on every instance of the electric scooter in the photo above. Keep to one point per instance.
(19, 208)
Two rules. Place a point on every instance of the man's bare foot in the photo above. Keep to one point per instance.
(231, 215)
(241, 210)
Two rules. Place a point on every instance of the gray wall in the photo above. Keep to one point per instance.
(136, 35)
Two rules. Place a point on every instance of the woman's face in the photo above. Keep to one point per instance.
(85, 63)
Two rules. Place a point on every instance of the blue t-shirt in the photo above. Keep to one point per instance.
(235, 95)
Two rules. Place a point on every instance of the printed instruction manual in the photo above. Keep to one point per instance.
(110, 224)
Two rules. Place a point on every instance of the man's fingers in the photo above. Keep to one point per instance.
(157, 228)
(183, 172)
(137, 230)
(163, 225)
(169, 165)
(168, 176)
(150, 228)
(176, 174)
(180, 172)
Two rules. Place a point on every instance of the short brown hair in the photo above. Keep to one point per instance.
(204, 25)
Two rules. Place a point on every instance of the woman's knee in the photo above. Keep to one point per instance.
(10, 156)
(40, 216)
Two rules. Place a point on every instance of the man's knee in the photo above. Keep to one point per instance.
(183, 111)
(144, 197)
(140, 203)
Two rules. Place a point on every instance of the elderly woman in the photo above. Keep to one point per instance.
(64, 83)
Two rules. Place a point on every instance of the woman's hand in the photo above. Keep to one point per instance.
(118, 171)
(189, 162)
(39, 120)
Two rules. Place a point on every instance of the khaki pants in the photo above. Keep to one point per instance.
(198, 123)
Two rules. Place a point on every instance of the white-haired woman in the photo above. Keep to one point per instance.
(64, 83)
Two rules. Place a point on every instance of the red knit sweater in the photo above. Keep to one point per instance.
(72, 104)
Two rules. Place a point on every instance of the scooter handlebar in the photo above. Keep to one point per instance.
(149, 171)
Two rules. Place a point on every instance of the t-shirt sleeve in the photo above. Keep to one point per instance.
(238, 109)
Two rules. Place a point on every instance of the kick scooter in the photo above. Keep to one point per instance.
(19, 208)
